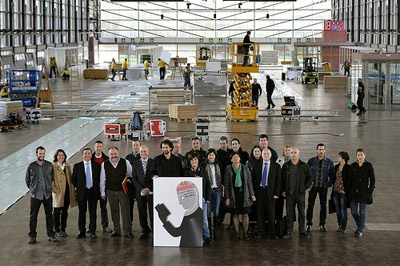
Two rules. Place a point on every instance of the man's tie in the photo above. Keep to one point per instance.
(264, 175)
(89, 180)
(144, 164)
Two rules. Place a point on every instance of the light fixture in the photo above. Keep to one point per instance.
(215, 15)
(162, 16)
(188, 5)
(267, 16)
(240, 5)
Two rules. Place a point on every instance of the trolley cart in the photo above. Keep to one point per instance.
(202, 128)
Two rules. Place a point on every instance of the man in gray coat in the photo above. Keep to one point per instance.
(39, 177)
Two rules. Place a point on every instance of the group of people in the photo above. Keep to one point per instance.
(114, 69)
(254, 186)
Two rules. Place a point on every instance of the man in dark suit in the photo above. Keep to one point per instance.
(86, 179)
(142, 177)
(267, 185)
(133, 157)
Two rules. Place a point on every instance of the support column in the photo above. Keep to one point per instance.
(388, 90)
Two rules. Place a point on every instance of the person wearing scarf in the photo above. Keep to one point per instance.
(239, 194)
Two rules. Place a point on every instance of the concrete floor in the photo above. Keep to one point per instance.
(377, 132)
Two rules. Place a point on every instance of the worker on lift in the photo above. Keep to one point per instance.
(246, 48)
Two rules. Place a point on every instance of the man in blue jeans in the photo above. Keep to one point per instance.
(323, 171)
(255, 92)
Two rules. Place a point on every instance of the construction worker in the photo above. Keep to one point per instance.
(346, 67)
(186, 75)
(53, 67)
(65, 74)
(328, 67)
(124, 69)
(113, 68)
(246, 47)
(4, 90)
(146, 67)
(161, 65)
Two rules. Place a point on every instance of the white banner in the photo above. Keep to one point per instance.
(178, 211)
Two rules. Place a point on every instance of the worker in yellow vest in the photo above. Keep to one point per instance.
(113, 68)
(186, 75)
(328, 67)
(161, 65)
(146, 67)
(65, 74)
(53, 67)
(4, 90)
(124, 69)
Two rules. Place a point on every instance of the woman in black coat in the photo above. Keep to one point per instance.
(361, 187)
(340, 188)
(195, 170)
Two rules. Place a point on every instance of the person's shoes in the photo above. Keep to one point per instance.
(129, 235)
(93, 236)
(268, 107)
(305, 235)
(273, 106)
(229, 227)
(309, 228)
(359, 113)
(274, 236)
(339, 230)
(88, 231)
(322, 228)
(58, 234)
(64, 233)
(32, 240)
(115, 234)
(81, 235)
(207, 240)
(246, 237)
(52, 239)
(288, 236)
(236, 237)
(257, 236)
(144, 236)
(343, 230)
(107, 230)
(358, 234)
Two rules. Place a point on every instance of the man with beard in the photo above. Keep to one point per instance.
(39, 177)
(167, 164)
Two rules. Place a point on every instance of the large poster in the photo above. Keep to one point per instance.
(178, 211)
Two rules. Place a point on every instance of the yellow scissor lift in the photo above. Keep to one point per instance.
(242, 107)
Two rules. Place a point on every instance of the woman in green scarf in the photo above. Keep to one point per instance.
(239, 194)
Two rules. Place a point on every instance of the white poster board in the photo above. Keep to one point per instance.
(178, 211)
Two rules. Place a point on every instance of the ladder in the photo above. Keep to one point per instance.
(74, 85)
(177, 67)
(44, 95)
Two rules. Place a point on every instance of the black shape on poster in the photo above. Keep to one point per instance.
(191, 228)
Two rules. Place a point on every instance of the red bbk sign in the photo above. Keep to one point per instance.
(334, 25)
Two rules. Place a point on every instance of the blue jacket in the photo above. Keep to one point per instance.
(328, 170)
